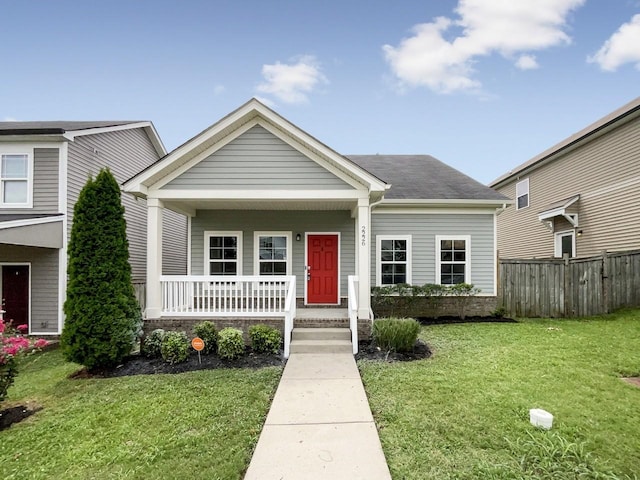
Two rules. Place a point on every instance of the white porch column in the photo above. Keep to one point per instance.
(154, 257)
(363, 257)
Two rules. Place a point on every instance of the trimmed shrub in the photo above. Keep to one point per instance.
(396, 334)
(230, 343)
(207, 332)
(103, 318)
(175, 347)
(265, 339)
(153, 343)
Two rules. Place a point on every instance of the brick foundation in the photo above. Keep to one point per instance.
(187, 324)
(477, 306)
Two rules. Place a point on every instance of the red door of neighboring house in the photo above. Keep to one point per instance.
(322, 268)
(15, 293)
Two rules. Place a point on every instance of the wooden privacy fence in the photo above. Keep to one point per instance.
(566, 287)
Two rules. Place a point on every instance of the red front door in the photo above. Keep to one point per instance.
(322, 269)
(15, 293)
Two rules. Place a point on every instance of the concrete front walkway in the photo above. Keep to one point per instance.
(320, 425)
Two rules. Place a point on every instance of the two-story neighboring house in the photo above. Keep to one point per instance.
(579, 197)
(43, 167)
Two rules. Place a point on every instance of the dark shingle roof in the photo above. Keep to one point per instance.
(56, 127)
(423, 177)
(11, 217)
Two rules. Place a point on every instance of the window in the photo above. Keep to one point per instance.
(223, 253)
(565, 243)
(273, 253)
(522, 194)
(14, 180)
(453, 259)
(393, 259)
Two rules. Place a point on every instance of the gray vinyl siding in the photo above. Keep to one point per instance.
(44, 283)
(125, 152)
(174, 243)
(605, 172)
(423, 229)
(257, 159)
(45, 182)
(293, 221)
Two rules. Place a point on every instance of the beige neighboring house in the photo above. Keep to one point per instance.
(579, 197)
(43, 167)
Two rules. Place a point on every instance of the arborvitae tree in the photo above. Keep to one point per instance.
(103, 318)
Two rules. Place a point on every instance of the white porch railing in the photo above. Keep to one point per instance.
(231, 296)
(353, 310)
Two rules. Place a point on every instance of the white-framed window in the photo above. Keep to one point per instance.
(522, 194)
(393, 259)
(272, 253)
(222, 253)
(453, 259)
(565, 242)
(16, 173)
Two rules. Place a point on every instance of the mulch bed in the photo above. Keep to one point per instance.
(368, 351)
(16, 413)
(446, 320)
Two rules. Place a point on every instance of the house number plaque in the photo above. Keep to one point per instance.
(363, 236)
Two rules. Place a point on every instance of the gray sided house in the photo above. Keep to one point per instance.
(579, 197)
(280, 222)
(43, 167)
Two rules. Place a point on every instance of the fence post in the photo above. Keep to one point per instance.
(566, 285)
(606, 285)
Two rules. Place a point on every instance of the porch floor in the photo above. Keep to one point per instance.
(322, 314)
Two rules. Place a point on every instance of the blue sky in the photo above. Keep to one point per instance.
(483, 85)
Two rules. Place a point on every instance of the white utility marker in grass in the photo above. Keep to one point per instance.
(540, 418)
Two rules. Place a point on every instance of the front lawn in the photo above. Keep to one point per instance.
(464, 413)
(202, 424)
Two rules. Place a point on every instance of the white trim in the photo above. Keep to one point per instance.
(557, 240)
(433, 211)
(25, 264)
(189, 260)
(409, 260)
(495, 252)
(467, 263)
(28, 151)
(256, 249)
(521, 186)
(63, 187)
(306, 264)
(247, 194)
(443, 202)
(222, 233)
(26, 222)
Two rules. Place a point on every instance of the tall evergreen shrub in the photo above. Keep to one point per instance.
(103, 317)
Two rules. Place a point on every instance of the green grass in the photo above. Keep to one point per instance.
(464, 413)
(193, 425)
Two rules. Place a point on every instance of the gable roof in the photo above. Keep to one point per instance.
(608, 122)
(246, 115)
(72, 129)
(423, 177)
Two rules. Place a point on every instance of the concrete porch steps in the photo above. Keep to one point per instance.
(321, 340)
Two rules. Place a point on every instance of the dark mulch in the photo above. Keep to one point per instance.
(139, 365)
(17, 413)
(445, 320)
(369, 351)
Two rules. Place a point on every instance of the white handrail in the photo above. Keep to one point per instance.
(289, 315)
(353, 310)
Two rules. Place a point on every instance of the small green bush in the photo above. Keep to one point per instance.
(175, 347)
(209, 334)
(265, 339)
(153, 343)
(230, 343)
(396, 334)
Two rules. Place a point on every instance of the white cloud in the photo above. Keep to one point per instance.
(291, 83)
(9, 119)
(431, 57)
(622, 47)
(527, 62)
(219, 89)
